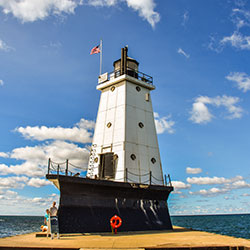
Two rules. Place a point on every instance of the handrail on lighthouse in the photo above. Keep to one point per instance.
(126, 66)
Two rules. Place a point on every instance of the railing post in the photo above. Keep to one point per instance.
(169, 179)
(67, 167)
(126, 175)
(165, 177)
(150, 177)
(49, 165)
(58, 166)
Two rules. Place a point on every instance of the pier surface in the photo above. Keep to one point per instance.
(179, 238)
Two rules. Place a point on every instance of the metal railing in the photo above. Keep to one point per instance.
(68, 169)
(131, 72)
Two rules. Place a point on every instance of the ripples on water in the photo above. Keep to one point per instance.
(232, 225)
(237, 225)
(14, 225)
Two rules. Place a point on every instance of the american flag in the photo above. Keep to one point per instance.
(95, 50)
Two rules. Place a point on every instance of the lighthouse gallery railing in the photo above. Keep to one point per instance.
(62, 168)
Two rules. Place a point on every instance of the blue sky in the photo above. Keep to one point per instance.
(196, 51)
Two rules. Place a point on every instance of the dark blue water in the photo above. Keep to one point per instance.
(232, 225)
(14, 225)
(237, 225)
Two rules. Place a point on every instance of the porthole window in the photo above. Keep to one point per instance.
(140, 124)
(112, 88)
(109, 124)
(96, 160)
(153, 160)
(138, 88)
(133, 157)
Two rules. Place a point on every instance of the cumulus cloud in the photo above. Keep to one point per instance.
(4, 155)
(32, 10)
(1, 82)
(212, 180)
(242, 80)
(201, 114)
(10, 200)
(180, 185)
(210, 192)
(182, 52)
(79, 133)
(145, 9)
(13, 182)
(193, 170)
(37, 182)
(36, 158)
(163, 124)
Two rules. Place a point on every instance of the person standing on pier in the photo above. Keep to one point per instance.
(54, 220)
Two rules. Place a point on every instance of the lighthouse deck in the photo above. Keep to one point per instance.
(178, 238)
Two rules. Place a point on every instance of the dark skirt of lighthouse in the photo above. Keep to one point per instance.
(87, 205)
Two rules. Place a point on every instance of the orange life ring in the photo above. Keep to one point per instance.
(115, 221)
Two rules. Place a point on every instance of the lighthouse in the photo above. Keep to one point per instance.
(124, 176)
(125, 146)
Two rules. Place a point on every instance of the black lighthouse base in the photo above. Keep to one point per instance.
(86, 205)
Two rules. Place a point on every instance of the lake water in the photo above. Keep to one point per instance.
(232, 225)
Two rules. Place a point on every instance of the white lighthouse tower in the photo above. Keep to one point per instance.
(125, 146)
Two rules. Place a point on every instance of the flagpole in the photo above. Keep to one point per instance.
(101, 58)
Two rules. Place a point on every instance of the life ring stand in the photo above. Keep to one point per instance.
(115, 222)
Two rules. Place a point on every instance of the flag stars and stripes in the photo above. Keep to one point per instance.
(95, 50)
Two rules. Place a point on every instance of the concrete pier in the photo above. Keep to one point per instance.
(179, 238)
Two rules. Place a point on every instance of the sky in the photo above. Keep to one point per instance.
(198, 53)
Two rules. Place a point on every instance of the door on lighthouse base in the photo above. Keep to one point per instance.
(107, 166)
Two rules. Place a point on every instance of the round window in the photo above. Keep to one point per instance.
(133, 157)
(138, 88)
(153, 160)
(141, 125)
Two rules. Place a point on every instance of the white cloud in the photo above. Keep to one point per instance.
(182, 52)
(10, 201)
(237, 40)
(180, 185)
(4, 46)
(212, 180)
(1, 82)
(239, 184)
(79, 133)
(210, 192)
(4, 155)
(240, 17)
(164, 124)
(242, 80)
(245, 195)
(13, 182)
(146, 10)
(36, 158)
(185, 18)
(37, 182)
(32, 10)
(201, 114)
(193, 170)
